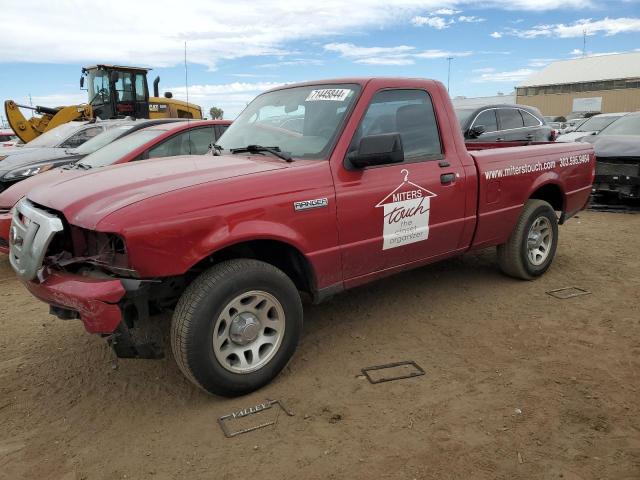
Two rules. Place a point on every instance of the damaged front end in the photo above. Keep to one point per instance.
(83, 274)
(617, 177)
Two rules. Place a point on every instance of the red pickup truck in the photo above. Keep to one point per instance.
(315, 188)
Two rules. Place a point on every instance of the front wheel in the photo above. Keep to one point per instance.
(236, 327)
(532, 245)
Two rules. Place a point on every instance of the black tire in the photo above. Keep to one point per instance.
(513, 255)
(202, 303)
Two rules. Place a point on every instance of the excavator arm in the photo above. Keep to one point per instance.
(50, 118)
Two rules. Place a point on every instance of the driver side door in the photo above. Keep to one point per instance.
(395, 214)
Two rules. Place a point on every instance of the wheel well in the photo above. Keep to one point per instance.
(550, 193)
(279, 254)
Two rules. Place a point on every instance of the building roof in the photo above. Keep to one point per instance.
(589, 69)
(473, 102)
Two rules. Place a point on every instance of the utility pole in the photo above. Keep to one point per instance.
(449, 72)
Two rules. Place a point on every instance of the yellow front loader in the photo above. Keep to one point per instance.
(113, 92)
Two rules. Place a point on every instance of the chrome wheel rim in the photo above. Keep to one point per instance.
(539, 241)
(248, 332)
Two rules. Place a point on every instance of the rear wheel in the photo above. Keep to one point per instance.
(532, 245)
(236, 327)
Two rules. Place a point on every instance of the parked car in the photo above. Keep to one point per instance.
(617, 149)
(162, 139)
(39, 155)
(590, 126)
(575, 119)
(29, 162)
(511, 123)
(378, 181)
(8, 139)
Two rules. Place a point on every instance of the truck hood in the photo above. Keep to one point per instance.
(86, 199)
(28, 156)
(15, 192)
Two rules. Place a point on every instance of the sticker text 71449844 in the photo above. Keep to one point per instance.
(328, 94)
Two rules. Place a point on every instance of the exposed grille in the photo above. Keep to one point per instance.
(32, 230)
(623, 169)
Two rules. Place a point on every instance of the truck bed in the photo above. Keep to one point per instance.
(507, 176)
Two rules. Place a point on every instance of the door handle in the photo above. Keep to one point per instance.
(499, 139)
(447, 178)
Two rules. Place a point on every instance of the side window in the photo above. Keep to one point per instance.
(80, 137)
(220, 129)
(510, 118)
(407, 112)
(529, 120)
(124, 87)
(140, 88)
(200, 140)
(196, 143)
(488, 120)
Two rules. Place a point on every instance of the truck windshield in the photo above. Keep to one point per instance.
(110, 154)
(301, 121)
(628, 125)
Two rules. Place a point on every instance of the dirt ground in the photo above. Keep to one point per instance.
(518, 385)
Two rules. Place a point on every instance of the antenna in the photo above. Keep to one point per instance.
(186, 86)
(449, 72)
(584, 43)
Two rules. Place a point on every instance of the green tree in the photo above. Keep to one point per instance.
(216, 113)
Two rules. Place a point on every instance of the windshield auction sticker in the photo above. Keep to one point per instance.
(405, 214)
(328, 94)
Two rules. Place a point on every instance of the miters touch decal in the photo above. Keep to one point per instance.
(406, 214)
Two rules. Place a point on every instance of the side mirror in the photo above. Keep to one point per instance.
(82, 82)
(476, 131)
(378, 150)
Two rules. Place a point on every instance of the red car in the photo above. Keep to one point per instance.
(315, 188)
(162, 140)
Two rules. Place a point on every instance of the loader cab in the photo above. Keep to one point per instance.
(116, 91)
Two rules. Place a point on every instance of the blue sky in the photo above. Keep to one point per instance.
(236, 50)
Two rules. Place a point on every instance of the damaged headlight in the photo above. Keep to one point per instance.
(105, 250)
(25, 172)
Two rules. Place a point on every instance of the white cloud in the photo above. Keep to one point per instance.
(122, 31)
(294, 62)
(399, 55)
(576, 53)
(509, 76)
(607, 26)
(496, 35)
(540, 62)
(231, 97)
(439, 23)
(445, 11)
(483, 70)
(470, 19)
